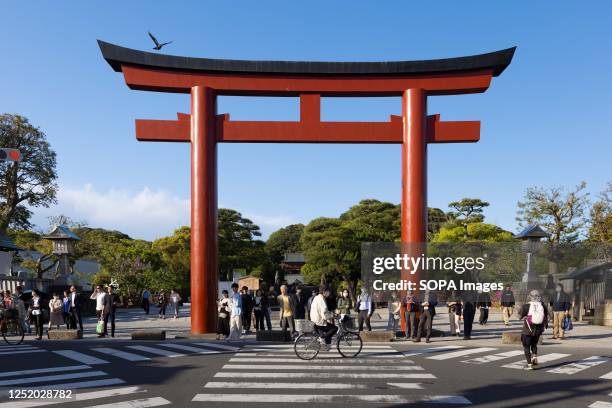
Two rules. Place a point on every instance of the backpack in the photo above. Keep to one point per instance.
(536, 313)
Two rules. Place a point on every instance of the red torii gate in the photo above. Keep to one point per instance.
(204, 79)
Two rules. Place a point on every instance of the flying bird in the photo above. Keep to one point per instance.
(158, 46)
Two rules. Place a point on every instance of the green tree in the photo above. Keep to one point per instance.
(373, 221)
(560, 214)
(467, 211)
(477, 231)
(29, 182)
(238, 247)
(175, 257)
(600, 228)
(331, 252)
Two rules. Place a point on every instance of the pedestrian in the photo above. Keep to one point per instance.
(266, 307)
(454, 314)
(535, 321)
(365, 308)
(469, 311)
(411, 307)
(66, 310)
(162, 303)
(19, 306)
(314, 294)
(235, 304)
(483, 303)
(99, 296)
(287, 310)
(322, 317)
(300, 303)
(56, 308)
(247, 310)
(224, 311)
(394, 307)
(258, 306)
(36, 313)
(428, 311)
(175, 298)
(345, 304)
(561, 305)
(22, 310)
(507, 304)
(145, 300)
(76, 305)
(8, 299)
(110, 309)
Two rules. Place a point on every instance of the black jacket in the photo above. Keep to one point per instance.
(507, 298)
(433, 301)
(484, 300)
(533, 329)
(561, 305)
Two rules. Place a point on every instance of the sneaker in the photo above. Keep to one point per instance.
(529, 366)
(534, 360)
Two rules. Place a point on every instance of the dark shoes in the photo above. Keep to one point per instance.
(416, 340)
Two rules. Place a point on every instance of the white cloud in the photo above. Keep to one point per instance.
(146, 214)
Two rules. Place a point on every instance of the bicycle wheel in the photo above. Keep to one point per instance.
(349, 344)
(307, 346)
(12, 332)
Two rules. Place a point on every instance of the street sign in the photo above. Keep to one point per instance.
(9, 155)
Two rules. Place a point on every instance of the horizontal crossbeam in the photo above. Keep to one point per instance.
(308, 130)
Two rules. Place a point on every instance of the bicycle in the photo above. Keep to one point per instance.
(11, 329)
(308, 344)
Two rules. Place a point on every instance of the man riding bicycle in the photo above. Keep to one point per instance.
(322, 317)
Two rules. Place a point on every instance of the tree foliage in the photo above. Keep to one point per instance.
(29, 182)
(560, 214)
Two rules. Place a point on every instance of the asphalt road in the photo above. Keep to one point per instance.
(122, 373)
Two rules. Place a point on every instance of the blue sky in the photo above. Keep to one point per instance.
(546, 121)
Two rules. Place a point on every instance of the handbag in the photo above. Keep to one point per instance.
(567, 323)
(100, 327)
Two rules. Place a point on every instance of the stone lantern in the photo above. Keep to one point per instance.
(63, 245)
(531, 237)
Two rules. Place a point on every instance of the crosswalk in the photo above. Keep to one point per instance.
(10, 350)
(272, 374)
(139, 352)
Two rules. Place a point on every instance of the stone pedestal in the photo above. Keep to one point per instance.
(149, 335)
(64, 334)
(603, 314)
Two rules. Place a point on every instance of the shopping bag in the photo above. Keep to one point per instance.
(100, 327)
(567, 323)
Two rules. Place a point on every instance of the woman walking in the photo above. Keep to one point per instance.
(56, 307)
(36, 313)
(162, 302)
(175, 298)
(259, 303)
(535, 321)
(454, 314)
(224, 310)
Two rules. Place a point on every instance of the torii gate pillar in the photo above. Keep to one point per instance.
(414, 166)
(203, 210)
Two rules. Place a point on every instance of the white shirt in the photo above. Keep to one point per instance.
(318, 311)
(73, 296)
(99, 300)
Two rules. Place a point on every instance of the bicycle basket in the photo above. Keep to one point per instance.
(304, 326)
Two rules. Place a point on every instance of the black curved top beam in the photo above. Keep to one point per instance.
(496, 61)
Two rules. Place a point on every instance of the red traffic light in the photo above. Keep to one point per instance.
(9, 155)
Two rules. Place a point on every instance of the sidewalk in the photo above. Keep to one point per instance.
(583, 335)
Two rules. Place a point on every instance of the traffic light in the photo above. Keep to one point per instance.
(9, 155)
